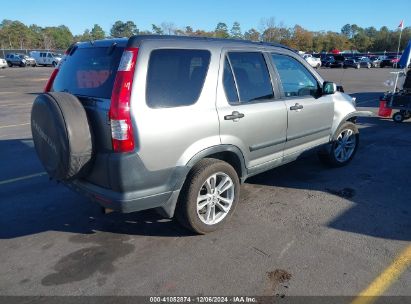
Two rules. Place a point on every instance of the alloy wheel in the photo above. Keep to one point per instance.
(215, 198)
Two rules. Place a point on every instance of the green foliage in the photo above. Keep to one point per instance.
(58, 37)
(15, 34)
(252, 34)
(97, 32)
(346, 31)
(189, 31)
(123, 29)
(221, 31)
(157, 30)
(236, 31)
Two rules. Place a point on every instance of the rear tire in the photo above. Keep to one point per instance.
(9, 64)
(343, 147)
(209, 196)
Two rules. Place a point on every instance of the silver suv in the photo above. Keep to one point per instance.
(177, 123)
(20, 60)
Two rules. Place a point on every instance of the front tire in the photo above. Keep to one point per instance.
(209, 196)
(344, 146)
(398, 117)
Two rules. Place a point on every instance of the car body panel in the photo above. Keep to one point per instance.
(170, 141)
(3, 63)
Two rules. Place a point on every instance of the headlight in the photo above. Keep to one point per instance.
(23, 60)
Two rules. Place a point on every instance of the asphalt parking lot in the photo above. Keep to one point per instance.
(301, 229)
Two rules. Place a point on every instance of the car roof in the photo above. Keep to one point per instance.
(136, 41)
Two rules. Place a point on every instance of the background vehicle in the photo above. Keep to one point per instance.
(45, 58)
(174, 123)
(390, 61)
(3, 63)
(357, 63)
(20, 60)
(376, 60)
(336, 61)
(313, 61)
(325, 59)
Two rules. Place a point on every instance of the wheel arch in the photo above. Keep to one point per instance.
(351, 117)
(228, 153)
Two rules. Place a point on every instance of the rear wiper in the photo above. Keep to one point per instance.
(111, 49)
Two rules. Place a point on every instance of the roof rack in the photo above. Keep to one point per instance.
(138, 38)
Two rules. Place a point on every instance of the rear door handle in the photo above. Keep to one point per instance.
(234, 116)
(296, 107)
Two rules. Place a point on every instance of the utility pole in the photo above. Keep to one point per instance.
(401, 26)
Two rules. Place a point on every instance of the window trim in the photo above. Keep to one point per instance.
(268, 64)
(279, 80)
(235, 82)
(181, 49)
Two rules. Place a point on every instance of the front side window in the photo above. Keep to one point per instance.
(251, 75)
(295, 78)
(175, 77)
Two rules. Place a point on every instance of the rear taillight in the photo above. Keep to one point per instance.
(119, 114)
(49, 84)
(53, 75)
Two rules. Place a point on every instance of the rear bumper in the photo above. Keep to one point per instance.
(120, 181)
(126, 202)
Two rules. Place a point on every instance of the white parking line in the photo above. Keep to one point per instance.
(15, 104)
(12, 180)
(10, 126)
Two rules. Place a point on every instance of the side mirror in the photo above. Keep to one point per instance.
(329, 88)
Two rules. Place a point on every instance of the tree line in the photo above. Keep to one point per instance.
(17, 35)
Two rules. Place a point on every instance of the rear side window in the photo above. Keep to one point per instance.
(252, 76)
(89, 72)
(175, 77)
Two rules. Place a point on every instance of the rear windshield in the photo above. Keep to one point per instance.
(89, 72)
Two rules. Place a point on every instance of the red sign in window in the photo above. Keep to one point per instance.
(91, 79)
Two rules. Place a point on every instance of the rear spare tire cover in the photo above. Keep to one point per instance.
(61, 135)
